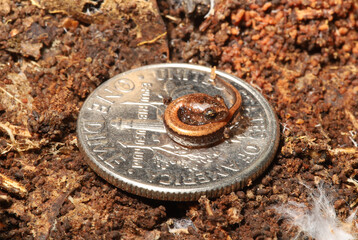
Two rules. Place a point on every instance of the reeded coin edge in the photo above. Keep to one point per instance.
(190, 194)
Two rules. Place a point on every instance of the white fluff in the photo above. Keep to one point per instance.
(319, 221)
(180, 225)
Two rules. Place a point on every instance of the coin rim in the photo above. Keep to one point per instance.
(190, 193)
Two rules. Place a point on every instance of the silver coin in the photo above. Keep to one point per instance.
(122, 136)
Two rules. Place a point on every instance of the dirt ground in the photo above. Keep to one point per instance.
(301, 55)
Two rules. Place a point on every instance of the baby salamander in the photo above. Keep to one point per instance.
(200, 120)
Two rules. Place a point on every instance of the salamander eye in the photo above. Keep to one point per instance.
(210, 114)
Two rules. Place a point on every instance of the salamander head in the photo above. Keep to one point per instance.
(200, 109)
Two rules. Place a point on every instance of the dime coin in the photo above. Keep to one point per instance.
(122, 135)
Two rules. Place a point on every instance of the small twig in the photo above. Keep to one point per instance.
(174, 19)
(18, 146)
(352, 136)
(208, 208)
(337, 151)
(213, 73)
(10, 95)
(355, 182)
(12, 186)
(211, 10)
(53, 211)
(9, 132)
(16, 130)
(352, 118)
(206, 202)
(153, 40)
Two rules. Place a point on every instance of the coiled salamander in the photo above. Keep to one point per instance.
(200, 120)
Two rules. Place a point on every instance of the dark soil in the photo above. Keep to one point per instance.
(301, 55)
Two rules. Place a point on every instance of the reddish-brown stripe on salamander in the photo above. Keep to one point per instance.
(198, 119)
